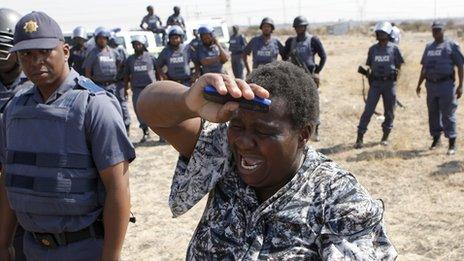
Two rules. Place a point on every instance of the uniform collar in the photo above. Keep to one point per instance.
(67, 84)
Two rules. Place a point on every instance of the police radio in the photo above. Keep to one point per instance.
(257, 104)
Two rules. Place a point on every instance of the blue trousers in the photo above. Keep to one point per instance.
(135, 96)
(18, 244)
(123, 102)
(442, 105)
(89, 250)
(387, 90)
(238, 66)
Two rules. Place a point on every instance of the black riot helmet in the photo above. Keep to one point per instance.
(267, 20)
(8, 20)
(300, 20)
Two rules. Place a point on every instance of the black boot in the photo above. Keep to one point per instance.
(145, 136)
(315, 136)
(435, 143)
(384, 140)
(452, 146)
(359, 141)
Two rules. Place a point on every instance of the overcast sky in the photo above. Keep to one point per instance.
(128, 13)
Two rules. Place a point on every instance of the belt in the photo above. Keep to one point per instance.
(105, 83)
(383, 78)
(440, 79)
(52, 240)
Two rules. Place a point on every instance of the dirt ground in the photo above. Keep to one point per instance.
(423, 191)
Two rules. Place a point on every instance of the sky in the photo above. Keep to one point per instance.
(128, 13)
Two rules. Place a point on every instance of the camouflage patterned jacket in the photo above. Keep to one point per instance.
(323, 213)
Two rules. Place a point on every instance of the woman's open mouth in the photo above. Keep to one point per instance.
(250, 163)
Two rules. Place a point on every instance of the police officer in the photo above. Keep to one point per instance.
(193, 46)
(301, 51)
(79, 50)
(210, 55)
(102, 62)
(438, 62)
(121, 92)
(237, 43)
(265, 48)
(384, 59)
(64, 154)
(176, 19)
(152, 22)
(176, 58)
(139, 70)
(12, 80)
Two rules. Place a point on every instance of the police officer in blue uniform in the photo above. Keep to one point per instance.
(301, 50)
(384, 59)
(193, 46)
(12, 80)
(210, 55)
(264, 48)
(152, 22)
(102, 63)
(139, 70)
(237, 43)
(439, 61)
(79, 50)
(121, 93)
(176, 58)
(64, 155)
(176, 19)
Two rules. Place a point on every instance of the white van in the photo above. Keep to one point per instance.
(154, 42)
(221, 30)
(125, 38)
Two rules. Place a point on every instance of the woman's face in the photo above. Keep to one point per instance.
(266, 147)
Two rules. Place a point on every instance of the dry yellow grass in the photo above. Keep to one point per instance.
(423, 191)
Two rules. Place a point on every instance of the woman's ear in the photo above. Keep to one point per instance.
(305, 133)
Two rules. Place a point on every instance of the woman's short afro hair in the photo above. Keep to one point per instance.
(292, 84)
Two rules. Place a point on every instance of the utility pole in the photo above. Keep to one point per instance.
(284, 12)
(228, 12)
(361, 8)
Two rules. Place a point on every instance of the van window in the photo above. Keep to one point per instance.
(218, 31)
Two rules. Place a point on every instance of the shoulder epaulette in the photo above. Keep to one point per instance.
(89, 85)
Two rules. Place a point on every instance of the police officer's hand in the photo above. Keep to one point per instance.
(126, 93)
(418, 90)
(459, 91)
(215, 112)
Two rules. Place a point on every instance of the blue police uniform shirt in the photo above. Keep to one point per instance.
(103, 137)
(8, 91)
(76, 58)
(236, 44)
(123, 55)
(264, 52)
(153, 21)
(140, 69)
(439, 59)
(176, 20)
(384, 61)
(103, 64)
(306, 48)
(209, 52)
(176, 61)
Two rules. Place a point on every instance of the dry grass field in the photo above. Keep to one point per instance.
(423, 191)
